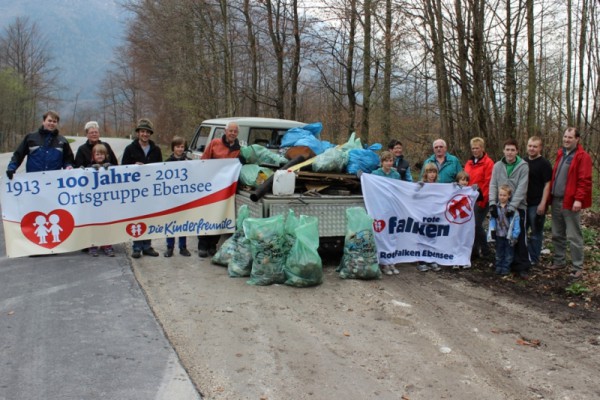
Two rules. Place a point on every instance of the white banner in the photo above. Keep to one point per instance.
(434, 222)
(67, 210)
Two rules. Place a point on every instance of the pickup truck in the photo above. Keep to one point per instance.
(268, 132)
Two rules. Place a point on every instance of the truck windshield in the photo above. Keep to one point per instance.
(200, 138)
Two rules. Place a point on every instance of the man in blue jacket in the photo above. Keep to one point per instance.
(45, 149)
(447, 164)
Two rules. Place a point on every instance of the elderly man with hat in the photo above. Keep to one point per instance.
(84, 152)
(142, 151)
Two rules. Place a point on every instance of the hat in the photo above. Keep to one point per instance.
(146, 124)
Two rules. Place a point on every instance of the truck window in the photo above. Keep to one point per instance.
(268, 137)
(200, 138)
(260, 136)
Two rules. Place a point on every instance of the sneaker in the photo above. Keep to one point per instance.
(203, 253)
(109, 251)
(150, 252)
(385, 269)
(422, 267)
(455, 267)
(136, 254)
(169, 252)
(465, 266)
(94, 252)
(395, 270)
(184, 252)
(434, 267)
(212, 251)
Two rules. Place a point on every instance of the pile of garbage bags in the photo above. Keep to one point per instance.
(279, 249)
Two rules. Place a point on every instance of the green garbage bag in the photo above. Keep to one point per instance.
(254, 175)
(289, 237)
(303, 266)
(332, 160)
(360, 254)
(229, 247)
(257, 154)
(267, 244)
(235, 252)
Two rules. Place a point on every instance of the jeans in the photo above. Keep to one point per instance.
(566, 225)
(182, 242)
(535, 223)
(504, 255)
(139, 245)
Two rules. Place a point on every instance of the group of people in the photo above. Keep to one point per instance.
(47, 150)
(515, 192)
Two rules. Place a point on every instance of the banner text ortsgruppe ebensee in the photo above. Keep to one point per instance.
(67, 210)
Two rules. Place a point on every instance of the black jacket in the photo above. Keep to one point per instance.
(84, 154)
(134, 153)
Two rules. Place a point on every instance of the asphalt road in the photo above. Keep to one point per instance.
(77, 327)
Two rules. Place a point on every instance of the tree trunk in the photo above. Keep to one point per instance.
(364, 131)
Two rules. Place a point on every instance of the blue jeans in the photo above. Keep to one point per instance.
(504, 255)
(139, 245)
(535, 224)
(182, 242)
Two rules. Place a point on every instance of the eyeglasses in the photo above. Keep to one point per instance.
(438, 147)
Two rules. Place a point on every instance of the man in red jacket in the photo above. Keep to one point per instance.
(571, 190)
(227, 146)
(479, 167)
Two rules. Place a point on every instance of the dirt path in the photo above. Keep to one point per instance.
(421, 336)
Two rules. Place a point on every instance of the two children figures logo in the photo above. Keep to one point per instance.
(45, 226)
(48, 230)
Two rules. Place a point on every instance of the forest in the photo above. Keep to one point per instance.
(413, 70)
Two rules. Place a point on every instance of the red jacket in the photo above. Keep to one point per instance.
(579, 179)
(218, 148)
(480, 173)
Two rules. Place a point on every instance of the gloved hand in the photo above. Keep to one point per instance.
(494, 211)
(106, 165)
(510, 212)
(96, 166)
(10, 173)
(475, 187)
(513, 242)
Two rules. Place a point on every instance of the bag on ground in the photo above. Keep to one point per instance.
(267, 244)
(360, 254)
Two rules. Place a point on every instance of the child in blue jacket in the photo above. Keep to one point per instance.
(505, 231)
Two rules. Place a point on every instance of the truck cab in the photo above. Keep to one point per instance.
(267, 132)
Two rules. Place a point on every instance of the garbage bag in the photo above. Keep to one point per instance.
(254, 175)
(331, 160)
(257, 154)
(303, 266)
(305, 137)
(235, 252)
(267, 244)
(315, 128)
(365, 160)
(289, 237)
(360, 253)
(352, 143)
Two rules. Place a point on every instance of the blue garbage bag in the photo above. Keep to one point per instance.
(365, 160)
